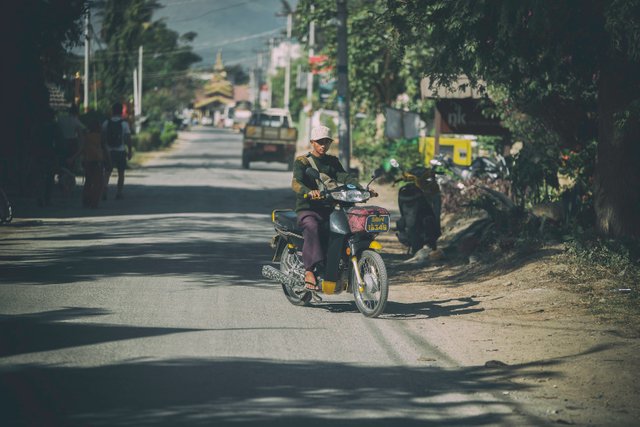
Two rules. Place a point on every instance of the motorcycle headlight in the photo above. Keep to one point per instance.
(351, 196)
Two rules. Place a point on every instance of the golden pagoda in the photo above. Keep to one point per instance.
(219, 91)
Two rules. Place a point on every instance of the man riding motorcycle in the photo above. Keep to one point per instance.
(311, 211)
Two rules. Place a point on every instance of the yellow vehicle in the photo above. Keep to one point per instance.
(457, 149)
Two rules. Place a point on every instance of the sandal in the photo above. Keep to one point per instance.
(310, 286)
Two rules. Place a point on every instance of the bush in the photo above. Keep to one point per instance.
(614, 255)
(147, 140)
(169, 134)
(153, 138)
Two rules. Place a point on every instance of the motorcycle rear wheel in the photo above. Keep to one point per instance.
(289, 262)
(373, 298)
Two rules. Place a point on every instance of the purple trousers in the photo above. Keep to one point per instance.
(310, 222)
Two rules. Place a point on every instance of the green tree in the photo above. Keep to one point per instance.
(127, 25)
(237, 74)
(166, 82)
(573, 64)
(297, 97)
(123, 25)
(375, 60)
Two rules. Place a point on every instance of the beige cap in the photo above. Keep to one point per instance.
(320, 132)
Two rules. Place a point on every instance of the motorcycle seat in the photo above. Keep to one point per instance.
(287, 220)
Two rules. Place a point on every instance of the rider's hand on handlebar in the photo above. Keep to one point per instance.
(315, 194)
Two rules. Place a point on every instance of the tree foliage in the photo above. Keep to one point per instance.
(571, 64)
(377, 68)
(123, 25)
(37, 33)
(166, 60)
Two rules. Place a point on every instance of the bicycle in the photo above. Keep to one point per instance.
(65, 180)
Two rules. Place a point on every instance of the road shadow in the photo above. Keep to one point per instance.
(52, 330)
(165, 199)
(416, 310)
(256, 392)
(233, 262)
(431, 309)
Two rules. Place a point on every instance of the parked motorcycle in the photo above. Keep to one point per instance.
(419, 203)
(352, 262)
(481, 167)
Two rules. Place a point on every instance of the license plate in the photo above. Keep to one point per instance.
(377, 223)
(270, 148)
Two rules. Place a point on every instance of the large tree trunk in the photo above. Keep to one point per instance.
(617, 180)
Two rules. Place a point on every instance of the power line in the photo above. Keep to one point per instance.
(181, 49)
(209, 12)
(177, 3)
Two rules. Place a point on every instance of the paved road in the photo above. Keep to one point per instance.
(151, 310)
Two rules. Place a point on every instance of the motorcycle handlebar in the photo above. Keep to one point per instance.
(323, 196)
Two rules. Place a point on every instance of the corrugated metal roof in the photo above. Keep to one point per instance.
(460, 89)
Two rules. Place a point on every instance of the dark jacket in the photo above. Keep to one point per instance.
(303, 184)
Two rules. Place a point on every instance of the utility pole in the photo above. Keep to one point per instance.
(139, 112)
(438, 128)
(252, 88)
(258, 80)
(343, 87)
(287, 72)
(312, 41)
(271, 44)
(87, 42)
(136, 93)
(95, 88)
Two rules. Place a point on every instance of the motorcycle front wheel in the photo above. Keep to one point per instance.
(371, 297)
(291, 263)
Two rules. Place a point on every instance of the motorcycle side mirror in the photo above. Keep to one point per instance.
(376, 174)
(312, 173)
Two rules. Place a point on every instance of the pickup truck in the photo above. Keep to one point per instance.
(269, 137)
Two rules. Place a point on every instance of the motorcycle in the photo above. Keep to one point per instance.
(352, 262)
(481, 167)
(419, 203)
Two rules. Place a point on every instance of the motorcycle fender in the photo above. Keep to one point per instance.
(375, 245)
(278, 243)
(358, 245)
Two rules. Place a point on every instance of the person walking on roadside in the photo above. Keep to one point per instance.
(94, 157)
(73, 132)
(45, 137)
(117, 135)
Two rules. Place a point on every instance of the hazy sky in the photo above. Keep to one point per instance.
(236, 27)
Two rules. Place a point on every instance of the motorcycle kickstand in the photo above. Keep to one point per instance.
(314, 294)
(316, 297)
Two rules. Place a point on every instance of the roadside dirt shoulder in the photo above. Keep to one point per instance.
(515, 320)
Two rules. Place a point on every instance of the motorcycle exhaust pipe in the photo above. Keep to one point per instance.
(272, 273)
